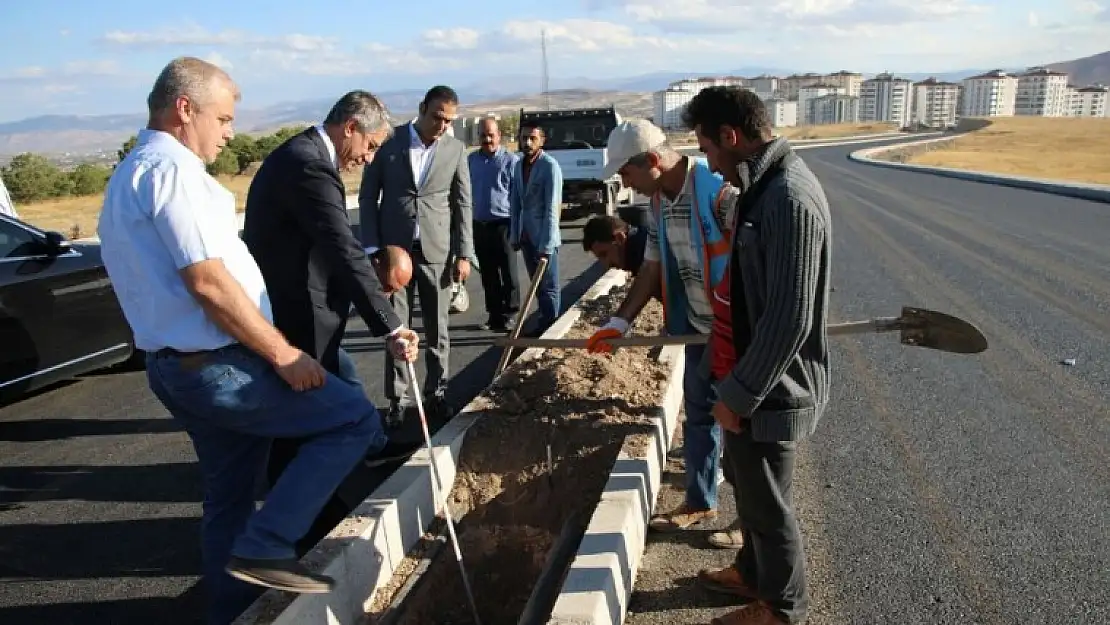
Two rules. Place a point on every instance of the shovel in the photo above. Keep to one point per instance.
(918, 327)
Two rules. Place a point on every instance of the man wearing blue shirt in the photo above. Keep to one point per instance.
(198, 306)
(491, 171)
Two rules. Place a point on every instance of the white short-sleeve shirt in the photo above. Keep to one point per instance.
(163, 212)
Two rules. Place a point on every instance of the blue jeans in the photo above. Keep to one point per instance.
(701, 433)
(232, 404)
(547, 295)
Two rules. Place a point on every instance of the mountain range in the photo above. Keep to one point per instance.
(79, 136)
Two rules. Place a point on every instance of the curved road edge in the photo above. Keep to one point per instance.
(1093, 192)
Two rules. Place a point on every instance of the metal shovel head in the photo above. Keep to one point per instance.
(936, 330)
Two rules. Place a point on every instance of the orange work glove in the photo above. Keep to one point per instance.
(599, 342)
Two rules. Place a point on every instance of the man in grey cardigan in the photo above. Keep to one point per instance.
(773, 395)
(415, 195)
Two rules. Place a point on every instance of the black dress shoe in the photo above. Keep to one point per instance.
(395, 416)
(283, 574)
(393, 452)
(439, 408)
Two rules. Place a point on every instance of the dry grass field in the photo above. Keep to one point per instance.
(76, 217)
(1076, 149)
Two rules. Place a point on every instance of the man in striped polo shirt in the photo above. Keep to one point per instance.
(685, 257)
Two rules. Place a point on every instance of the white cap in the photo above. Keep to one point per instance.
(630, 139)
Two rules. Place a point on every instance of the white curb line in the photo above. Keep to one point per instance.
(364, 550)
(599, 583)
(1093, 192)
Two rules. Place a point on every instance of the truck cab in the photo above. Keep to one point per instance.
(578, 139)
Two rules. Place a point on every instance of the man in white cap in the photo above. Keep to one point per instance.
(686, 256)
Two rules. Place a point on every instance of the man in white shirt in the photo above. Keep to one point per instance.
(198, 305)
(6, 205)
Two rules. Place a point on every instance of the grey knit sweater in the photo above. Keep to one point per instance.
(781, 254)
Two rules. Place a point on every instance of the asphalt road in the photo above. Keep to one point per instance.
(100, 497)
(942, 488)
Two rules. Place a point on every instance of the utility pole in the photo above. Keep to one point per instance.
(544, 77)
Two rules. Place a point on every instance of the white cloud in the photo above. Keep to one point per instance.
(655, 35)
(219, 60)
(192, 35)
(74, 70)
(451, 38)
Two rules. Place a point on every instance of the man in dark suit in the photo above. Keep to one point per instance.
(416, 195)
(297, 229)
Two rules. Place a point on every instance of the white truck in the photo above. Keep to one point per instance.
(577, 139)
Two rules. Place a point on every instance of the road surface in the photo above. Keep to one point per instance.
(938, 489)
(942, 488)
(100, 497)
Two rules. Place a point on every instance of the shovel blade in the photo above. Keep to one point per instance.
(937, 330)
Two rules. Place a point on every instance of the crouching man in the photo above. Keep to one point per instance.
(615, 244)
(684, 258)
(774, 387)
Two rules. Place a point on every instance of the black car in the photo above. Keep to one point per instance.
(59, 316)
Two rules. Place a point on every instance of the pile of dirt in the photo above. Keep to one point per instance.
(509, 504)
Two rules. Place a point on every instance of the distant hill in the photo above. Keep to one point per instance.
(99, 136)
(82, 136)
(1089, 70)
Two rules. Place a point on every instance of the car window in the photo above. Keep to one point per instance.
(15, 241)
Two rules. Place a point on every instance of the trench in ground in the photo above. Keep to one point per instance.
(508, 507)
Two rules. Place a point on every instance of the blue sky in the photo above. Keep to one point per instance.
(85, 57)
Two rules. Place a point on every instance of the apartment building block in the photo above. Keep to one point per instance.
(886, 98)
(783, 113)
(1093, 101)
(1042, 92)
(992, 94)
(806, 114)
(935, 103)
(850, 82)
(834, 108)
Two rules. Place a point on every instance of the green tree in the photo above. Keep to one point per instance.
(227, 163)
(127, 147)
(510, 126)
(89, 179)
(31, 177)
(245, 149)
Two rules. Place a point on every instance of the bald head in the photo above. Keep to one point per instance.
(394, 269)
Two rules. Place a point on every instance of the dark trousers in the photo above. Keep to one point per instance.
(431, 286)
(548, 296)
(499, 267)
(772, 558)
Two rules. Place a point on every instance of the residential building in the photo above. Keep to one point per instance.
(834, 108)
(992, 94)
(935, 103)
(783, 113)
(1042, 92)
(764, 84)
(1093, 101)
(886, 98)
(850, 82)
(668, 106)
(789, 86)
(805, 94)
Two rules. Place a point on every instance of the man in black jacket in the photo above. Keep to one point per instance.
(774, 391)
(296, 227)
